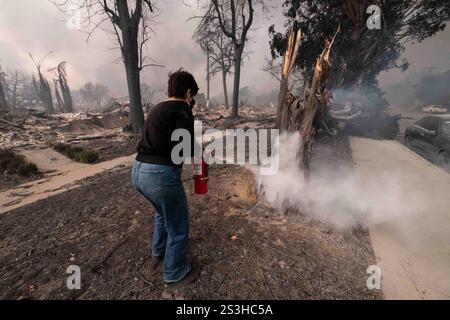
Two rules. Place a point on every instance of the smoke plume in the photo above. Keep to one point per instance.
(341, 199)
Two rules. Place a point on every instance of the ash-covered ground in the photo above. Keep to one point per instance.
(246, 250)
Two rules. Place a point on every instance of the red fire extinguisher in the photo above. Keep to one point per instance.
(201, 178)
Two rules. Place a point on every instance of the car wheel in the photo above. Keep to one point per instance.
(443, 160)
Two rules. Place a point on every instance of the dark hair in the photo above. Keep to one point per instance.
(180, 82)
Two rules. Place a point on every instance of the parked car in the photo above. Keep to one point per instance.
(430, 137)
(435, 109)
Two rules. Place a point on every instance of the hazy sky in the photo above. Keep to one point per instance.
(36, 26)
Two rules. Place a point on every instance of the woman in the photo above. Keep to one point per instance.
(156, 177)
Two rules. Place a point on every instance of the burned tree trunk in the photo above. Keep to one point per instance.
(238, 50)
(131, 59)
(303, 114)
(62, 91)
(43, 91)
(64, 87)
(42, 88)
(289, 61)
(3, 102)
(225, 90)
(208, 78)
(59, 101)
(14, 91)
(129, 28)
(231, 22)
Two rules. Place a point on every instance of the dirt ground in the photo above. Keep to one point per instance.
(105, 228)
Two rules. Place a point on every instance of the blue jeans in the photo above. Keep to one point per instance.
(163, 187)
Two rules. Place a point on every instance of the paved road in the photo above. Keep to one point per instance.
(413, 246)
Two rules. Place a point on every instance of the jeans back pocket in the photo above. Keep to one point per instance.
(151, 182)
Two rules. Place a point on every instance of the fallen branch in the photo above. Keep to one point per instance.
(11, 123)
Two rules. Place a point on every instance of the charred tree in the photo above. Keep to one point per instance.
(15, 79)
(3, 102)
(283, 118)
(59, 102)
(305, 114)
(62, 89)
(235, 19)
(65, 89)
(316, 102)
(223, 62)
(225, 89)
(219, 48)
(42, 87)
(208, 78)
(95, 93)
(129, 23)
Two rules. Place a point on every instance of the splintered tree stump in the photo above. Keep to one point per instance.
(302, 113)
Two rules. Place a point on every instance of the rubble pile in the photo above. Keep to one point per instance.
(219, 117)
(32, 127)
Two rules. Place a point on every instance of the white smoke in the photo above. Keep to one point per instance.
(342, 201)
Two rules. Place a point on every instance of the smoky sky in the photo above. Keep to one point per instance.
(37, 27)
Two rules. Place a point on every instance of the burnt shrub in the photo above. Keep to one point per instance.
(60, 147)
(27, 169)
(88, 156)
(12, 163)
(76, 153)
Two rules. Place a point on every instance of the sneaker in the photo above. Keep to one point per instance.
(190, 277)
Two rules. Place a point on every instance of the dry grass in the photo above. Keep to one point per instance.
(78, 154)
(15, 164)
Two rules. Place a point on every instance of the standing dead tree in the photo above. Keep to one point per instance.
(223, 61)
(205, 46)
(17, 88)
(305, 114)
(42, 87)
(218, 47)
(234, 17)
(129, 22)
(15, 80)
(283, 117)
(149, 95)
(62, 90)
(3, 102)
(59, 100)
(95, 93)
